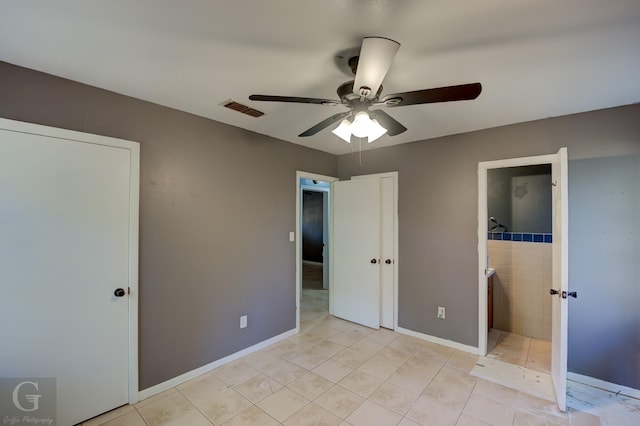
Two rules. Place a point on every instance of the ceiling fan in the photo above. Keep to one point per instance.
(359, 95)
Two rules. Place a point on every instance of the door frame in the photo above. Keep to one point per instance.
(483, 230)
(298, 233)
(558, 254)
(134, 197)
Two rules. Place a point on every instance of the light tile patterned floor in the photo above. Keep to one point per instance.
(534, 354)
(338, 373)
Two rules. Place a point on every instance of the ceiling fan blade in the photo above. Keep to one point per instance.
(391, 124)
(325, 123)
(376, 55)
(462, 92)
(294, 99)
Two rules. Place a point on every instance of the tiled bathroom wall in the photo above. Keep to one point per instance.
(521, 300)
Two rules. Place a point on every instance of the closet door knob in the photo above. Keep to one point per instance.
(374, 261)
(119, 292)
(388, 261)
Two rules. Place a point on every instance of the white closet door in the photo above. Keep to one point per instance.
(64, 250)
(356, 251)
(560, 278)
(387, 245)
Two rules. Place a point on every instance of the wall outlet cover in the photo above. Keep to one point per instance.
(243, 321)
(440, 312)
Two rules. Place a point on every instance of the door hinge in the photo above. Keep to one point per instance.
(128, 290)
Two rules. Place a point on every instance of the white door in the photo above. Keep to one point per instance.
(325, 240)
(387, 249)
(560, 279)
(356, 251)
(64, 250)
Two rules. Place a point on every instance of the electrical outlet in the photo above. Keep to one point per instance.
(243, 321)
(440, 312)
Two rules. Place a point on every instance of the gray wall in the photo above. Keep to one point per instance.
(604, 231)
(438, 206)
(216, 207)
(526, 211)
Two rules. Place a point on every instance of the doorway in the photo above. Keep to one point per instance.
(314, 234)
(313, 198)
(519, 254)
(558, 286)
(386, 255)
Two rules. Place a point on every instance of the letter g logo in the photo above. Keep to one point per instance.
(33, 399)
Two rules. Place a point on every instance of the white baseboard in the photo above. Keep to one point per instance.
(601, 384)
(438, 340)
(161, 387)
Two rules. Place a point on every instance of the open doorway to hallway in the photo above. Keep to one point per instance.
(312, 248)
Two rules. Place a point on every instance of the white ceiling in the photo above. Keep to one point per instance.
(535, 59)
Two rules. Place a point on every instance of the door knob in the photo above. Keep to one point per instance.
(388, 261)
(374, 261)
(119, 292)
(554, 292)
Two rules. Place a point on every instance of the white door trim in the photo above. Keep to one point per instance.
(394, 175)
(298, 234)
(483, 230)
(134, 185)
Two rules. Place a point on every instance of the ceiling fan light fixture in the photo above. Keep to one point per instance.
(361, 125)
(375, 131)
(343, 131)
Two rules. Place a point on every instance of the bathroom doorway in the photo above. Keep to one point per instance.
(519, 254)
(524, 253)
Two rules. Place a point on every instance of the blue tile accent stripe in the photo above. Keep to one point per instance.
(527, 237)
